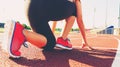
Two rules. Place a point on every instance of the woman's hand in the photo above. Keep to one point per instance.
(85, 45)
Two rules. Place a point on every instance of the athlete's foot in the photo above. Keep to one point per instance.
(63, 44)
(15, 38)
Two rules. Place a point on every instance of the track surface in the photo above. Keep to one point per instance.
(103, 55)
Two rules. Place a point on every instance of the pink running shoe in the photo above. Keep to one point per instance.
(64, 44)
(15, 38)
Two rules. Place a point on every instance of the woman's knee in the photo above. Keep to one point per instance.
(44, 42)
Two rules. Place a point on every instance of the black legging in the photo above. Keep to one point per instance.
(40, 12)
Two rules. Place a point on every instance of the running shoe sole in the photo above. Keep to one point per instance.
(63, 47)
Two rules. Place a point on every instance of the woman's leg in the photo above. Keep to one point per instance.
(39, 16)
(35, 38)
(16, 36)
(42, 27)
(69, 23)
(54, 26)
(63, 41)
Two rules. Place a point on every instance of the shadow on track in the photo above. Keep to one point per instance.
(64, 58)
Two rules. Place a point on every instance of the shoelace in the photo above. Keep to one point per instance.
(68, 40)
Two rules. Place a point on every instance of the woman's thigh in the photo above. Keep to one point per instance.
(42, 27)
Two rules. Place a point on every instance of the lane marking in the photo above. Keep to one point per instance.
(96, 47)
(116, 62)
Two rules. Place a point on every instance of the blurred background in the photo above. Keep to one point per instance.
(98, 15)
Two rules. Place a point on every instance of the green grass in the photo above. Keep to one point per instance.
(1, 30)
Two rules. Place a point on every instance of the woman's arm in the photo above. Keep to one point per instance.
(80, 22)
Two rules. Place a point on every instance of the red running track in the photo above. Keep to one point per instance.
(103, 55)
